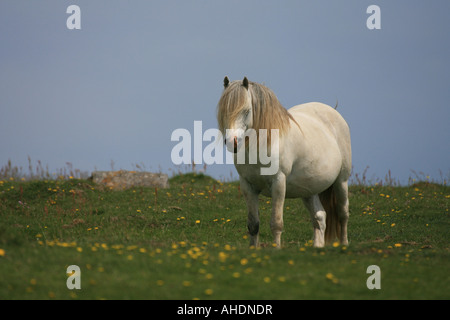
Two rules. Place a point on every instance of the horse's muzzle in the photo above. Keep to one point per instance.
(235, 144)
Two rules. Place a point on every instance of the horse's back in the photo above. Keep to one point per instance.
(332, 120)
(328, 115)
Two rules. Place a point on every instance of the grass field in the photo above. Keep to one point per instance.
(190, 242)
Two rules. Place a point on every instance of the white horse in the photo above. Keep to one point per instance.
(314, 158)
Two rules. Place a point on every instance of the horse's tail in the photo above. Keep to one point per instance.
(329, 203)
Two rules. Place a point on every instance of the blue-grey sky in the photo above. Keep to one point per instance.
(137, 70)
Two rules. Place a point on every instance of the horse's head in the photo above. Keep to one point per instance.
(248, 105)
(235, 113)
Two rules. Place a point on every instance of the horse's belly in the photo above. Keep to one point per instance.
(300, 190)
(301, 184)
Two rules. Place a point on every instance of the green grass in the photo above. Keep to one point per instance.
(190, 241)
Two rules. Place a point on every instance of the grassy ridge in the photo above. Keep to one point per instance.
(190, 241)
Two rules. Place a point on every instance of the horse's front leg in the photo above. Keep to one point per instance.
(278, 195)
(251, 197)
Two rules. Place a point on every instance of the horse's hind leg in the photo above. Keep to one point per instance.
(342, 203)
(318, 217)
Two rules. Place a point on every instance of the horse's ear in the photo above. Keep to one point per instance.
(245, 82)
(226, 82)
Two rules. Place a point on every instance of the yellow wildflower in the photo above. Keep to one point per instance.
(209, 292)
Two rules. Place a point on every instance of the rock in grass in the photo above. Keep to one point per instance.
(123, 179)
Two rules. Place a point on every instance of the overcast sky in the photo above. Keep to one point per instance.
(137, 70)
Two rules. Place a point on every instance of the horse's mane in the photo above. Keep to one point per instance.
(268, 113)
